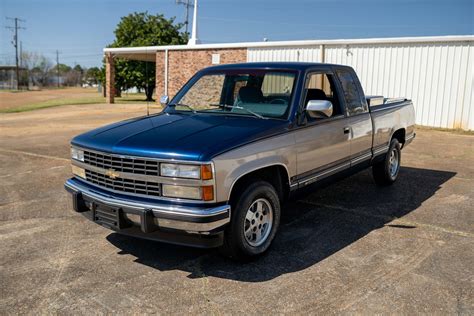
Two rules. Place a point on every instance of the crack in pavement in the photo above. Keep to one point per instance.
(33, 154)
(393, 219)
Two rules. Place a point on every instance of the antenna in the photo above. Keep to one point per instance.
(187, 5)
(146, 89)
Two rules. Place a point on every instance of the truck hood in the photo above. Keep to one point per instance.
(197, 137)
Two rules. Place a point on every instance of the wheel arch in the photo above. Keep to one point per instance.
(399, 134)
(281, 182)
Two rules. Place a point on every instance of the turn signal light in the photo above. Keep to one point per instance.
(206, 172)
(80, 172)
(207, 193)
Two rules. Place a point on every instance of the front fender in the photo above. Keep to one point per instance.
(233, 165)
(244, 170)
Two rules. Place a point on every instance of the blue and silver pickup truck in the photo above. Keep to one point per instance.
(214, 167)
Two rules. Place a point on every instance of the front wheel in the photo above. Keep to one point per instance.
(386, 171)
(255, 220)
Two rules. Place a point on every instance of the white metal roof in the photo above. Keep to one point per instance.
(387, 40)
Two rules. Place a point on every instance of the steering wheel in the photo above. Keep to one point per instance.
(278, 101)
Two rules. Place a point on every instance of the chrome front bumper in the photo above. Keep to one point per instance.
(150, 217)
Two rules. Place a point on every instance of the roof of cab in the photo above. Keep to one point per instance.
(271, 65)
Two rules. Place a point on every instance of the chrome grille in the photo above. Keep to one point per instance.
(129, 165)
(124, 185)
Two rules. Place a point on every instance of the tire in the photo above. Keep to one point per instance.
(386, 171)
(244, 239)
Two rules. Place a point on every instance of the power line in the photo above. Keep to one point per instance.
(15, 44)
(187, 5)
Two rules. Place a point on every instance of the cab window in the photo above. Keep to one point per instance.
(352, 96)
(321, 86)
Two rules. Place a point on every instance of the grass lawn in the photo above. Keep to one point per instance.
(54, 102)
(136, 98)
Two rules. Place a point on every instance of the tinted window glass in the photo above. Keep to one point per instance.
(320, 86)
(206, 90)
(251, 93)
(354, 102)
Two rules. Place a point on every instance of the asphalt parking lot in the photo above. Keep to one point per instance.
(348, 248)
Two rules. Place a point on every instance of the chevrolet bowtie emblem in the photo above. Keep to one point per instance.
(112, 174)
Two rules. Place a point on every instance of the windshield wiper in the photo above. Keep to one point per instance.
(184, 105)
(227, 106)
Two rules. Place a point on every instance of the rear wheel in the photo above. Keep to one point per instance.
(255, 220)
(386, 171)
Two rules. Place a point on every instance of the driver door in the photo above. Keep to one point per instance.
(323, 144)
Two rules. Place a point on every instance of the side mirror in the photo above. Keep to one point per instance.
(164, 100)
(319, 108)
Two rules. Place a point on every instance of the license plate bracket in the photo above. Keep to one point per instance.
(109, 217)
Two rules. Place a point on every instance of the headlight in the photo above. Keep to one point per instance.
(205, 193)
(203, 172)
(77, 154)
(182, 192)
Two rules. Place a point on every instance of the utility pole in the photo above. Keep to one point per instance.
(15, 44)
(187, 5)
(21, 54)
(57, 65)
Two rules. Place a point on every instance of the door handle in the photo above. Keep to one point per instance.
(347, 130)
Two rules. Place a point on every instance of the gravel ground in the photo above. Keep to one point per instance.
(348, 248)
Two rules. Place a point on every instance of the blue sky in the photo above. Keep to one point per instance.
(79, 29)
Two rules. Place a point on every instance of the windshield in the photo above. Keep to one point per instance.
(258, 93)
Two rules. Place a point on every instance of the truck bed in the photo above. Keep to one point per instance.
(392, 114)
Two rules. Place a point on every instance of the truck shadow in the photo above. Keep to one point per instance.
(314, 227)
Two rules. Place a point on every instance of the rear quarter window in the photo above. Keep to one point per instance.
(351, 93)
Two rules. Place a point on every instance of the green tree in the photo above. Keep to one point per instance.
(63, 68)
(78, 68)
(93, 76)
(143, 29)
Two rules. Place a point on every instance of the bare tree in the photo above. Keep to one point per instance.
(37, 66)
(41, 72)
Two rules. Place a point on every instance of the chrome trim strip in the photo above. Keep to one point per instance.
(156, 208)
(151, 197)
(409, 139)
(377, 109)
(324, 173)
(190, 227)
(344, 165)
(381, 150)
(363, 157)
(142, 177)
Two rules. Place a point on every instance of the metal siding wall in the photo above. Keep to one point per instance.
(437, 76)
(309, 54)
